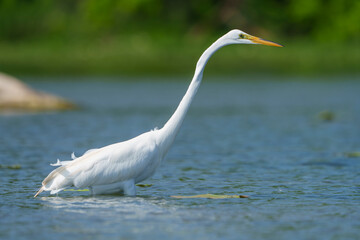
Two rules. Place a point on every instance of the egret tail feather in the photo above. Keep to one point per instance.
(40, 191)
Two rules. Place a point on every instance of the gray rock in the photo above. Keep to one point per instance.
(17, 96)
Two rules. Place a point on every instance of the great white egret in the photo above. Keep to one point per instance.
(118, 167)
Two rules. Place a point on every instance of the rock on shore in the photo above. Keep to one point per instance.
(17, 96)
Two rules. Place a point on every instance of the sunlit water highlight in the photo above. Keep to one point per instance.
(262, 138)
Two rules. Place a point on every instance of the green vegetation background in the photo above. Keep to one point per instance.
(141, 37)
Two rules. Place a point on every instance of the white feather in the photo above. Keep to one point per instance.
(60, 163)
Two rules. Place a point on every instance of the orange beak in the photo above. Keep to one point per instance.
(263, 41)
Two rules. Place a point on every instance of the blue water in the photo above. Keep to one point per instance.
(263, 138)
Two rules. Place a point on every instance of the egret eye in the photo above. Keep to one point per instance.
(242, 36)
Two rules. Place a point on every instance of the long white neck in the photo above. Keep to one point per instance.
(172, 126)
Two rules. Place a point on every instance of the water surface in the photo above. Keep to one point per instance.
(261, 138)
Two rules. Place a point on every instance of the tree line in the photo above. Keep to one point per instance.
(315, 20)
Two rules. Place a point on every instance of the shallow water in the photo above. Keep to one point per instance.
(261, 138)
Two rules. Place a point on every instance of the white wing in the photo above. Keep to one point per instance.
(114, 163)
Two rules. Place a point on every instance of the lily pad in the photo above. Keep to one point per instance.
(76, 190)
(352, 154)
(144, 185)
(212, 196)
(15, 166)
(326, 115)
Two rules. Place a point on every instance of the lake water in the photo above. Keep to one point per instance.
(271, 140)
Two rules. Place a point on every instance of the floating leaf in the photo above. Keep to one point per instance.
(183, 179)
(352, 154)
(212, 196)
(144, 185)
(15, 166)
(76, 190)
(326, 116)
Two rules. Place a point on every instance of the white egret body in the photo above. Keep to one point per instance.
(118, 167)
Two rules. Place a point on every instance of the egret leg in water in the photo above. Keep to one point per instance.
(118, 167)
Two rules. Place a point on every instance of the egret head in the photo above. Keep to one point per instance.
(239, 37)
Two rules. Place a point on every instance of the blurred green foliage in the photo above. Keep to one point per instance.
(323, 20)
(167, 36)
